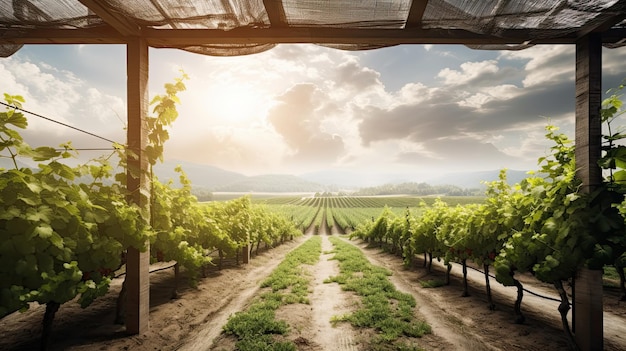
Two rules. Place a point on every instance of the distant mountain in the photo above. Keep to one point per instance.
(274, 183)
(201, 176)
(211, 178)
(205, 177)
(351, 180)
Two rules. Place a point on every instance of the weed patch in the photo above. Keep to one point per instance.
(289, 283)
(388, 311)
(432, 283)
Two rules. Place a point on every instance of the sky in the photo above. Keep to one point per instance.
(412, 110)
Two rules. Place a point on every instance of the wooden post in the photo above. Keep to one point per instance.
(587, 311)
(245, 253)
(138, 263)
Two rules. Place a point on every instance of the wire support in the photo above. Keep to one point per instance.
(525, 290)
(90, 149)
(60, 123)
(168, 265)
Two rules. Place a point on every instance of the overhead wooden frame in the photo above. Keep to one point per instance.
(118, 28)
(176, 38)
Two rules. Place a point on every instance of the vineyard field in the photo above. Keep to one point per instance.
(66, 243)
(344, 213)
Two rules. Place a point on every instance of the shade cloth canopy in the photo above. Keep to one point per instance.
(239, 27)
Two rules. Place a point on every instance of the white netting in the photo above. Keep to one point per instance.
(498, 18)
(224, 15)
(352, 14)
(9, 49)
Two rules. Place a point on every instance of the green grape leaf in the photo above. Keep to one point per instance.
(620, 176)
(17, 119)
(43, 231)
(62, 170)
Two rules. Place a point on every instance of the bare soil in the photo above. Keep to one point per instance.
(193, 321)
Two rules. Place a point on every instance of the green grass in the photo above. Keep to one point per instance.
(388, 311)
(289, 283)
(432, 283)
(610, 277)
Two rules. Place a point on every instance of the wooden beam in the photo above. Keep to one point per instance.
(176, 38)
(325, 35)
(276, 13)
(416, 13)
(138, 263)
(605, 20)
(121, 24)
(587, 312)
(588, 104)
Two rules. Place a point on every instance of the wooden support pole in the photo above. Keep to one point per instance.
(245, 253)
(587, 312)
(138, 263)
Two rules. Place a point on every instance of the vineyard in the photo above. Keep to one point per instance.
(65, 230)
(342, 214)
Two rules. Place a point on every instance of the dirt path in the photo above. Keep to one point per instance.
(328, 300)
(450, 332)
(235, 301)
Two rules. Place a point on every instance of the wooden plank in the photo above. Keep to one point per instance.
(588, 103)
(416, 12)
(587, 312)
(245, 254)
(175, 38)
(186, 37)
(605, 20)
(138, 263)
(276, 13)
(121, 24)
(326, 35)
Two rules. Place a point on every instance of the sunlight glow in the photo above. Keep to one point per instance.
(235, 103)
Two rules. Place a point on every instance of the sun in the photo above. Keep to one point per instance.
(235, 103)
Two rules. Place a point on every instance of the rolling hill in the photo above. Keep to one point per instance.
(214, 179)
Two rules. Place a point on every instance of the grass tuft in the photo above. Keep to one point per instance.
(432, 283)
(388, 311)
(289, 283)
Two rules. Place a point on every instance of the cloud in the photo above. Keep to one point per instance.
(613, 70)
(444, 114)
(418, 122)
(454, 153)
(546, 64)
(298, 118)
(291, 97)
(469, 72)
(412, 93)
(61, 96)
(477, 104)
(351, 73)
